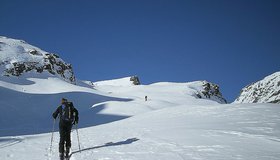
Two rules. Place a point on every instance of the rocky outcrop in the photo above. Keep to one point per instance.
(263, 91)
(211, 91)
(135, 80)
(17, 57)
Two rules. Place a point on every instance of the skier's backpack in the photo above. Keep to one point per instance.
(67, 112)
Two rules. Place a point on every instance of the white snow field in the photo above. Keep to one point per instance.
(116, 123)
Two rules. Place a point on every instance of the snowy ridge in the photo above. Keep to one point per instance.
(263, 91)
(116, 82)
(197, 89)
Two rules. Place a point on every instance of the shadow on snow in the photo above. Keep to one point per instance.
(109, 144)
(25, 113)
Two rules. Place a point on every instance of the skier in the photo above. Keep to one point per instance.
(68, 116)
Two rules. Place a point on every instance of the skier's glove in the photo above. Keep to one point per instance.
(76, 121)
(54, 116)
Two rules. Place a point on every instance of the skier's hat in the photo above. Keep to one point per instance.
(64, 99)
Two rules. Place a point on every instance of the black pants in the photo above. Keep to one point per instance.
(65, 139)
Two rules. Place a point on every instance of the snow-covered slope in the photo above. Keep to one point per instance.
(25, 99)
(18, 57)
(178, 120)
(27, 103)
(263, 91)
(197, 89)
(170, 125)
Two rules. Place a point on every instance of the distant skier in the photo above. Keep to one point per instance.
(68, 115)
(146, 98)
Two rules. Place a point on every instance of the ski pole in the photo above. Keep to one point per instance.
(78, 138)
(52, 135)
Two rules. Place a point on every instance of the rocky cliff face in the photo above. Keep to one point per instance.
(17, 57)
(210, 91)
(135, 80)
(263, 91)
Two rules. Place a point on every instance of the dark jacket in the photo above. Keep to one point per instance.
(68, 114)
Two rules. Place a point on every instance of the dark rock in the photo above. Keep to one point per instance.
(198, 95)
(211, 90)
(135, 80)
(34, 52)
(55, 55)
(51, 65)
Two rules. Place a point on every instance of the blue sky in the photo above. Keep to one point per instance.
(230, 43)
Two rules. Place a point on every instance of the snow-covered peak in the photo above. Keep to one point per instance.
(263, 91)
(14, 50)
(18, 57)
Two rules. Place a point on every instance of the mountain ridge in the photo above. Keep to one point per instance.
(266, 90)
(17, 57)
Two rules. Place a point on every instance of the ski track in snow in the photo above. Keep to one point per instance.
(6, 142)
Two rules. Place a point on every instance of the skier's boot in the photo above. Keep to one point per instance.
(61, 156)
(67, 153)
